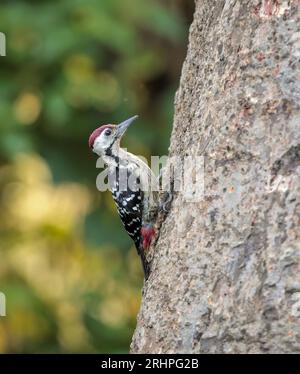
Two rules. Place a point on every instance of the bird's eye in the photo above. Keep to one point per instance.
(107, 132)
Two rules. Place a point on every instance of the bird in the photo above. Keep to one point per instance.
(133, 186)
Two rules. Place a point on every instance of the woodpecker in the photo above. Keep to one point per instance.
(132, 184)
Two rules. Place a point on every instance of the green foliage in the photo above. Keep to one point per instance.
(69, 272)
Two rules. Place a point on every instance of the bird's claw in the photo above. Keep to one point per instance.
(166, 203)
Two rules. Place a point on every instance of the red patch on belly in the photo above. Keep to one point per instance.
(147, 233)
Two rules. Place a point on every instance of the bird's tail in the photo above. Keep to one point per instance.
(144, 261)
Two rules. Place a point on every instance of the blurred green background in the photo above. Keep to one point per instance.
(70, 274)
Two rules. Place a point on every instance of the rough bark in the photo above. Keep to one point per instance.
(226, 270)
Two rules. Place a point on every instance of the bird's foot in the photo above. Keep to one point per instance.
(165, 204)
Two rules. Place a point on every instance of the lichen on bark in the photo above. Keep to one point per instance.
(226, 270)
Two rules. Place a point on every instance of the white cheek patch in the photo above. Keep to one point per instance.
(102, 142)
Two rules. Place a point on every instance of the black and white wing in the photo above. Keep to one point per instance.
(130, 210)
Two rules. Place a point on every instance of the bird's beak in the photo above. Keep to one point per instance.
(122, 127)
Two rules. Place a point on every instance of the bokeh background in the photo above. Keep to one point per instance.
(70, 274)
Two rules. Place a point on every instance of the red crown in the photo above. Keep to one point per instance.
(96, 133)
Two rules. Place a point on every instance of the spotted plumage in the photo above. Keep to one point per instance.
(129, 207)
(135, 198)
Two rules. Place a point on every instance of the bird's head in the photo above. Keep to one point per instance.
(106, 138)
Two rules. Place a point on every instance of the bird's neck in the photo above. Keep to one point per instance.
(114, 155)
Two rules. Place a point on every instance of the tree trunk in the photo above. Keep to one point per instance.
(226, 270)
